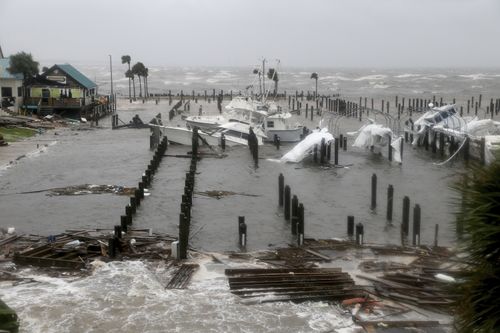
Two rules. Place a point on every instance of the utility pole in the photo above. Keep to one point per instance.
(111, 71)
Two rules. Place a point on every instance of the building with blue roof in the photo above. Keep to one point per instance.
(10, 85)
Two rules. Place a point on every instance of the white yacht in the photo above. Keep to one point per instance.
(280, 125)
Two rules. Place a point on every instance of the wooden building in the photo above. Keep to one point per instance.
(10, 86)
(61, 88)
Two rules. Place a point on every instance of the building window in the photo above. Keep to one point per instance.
(19, 91)
(6, 92)
(270, 124)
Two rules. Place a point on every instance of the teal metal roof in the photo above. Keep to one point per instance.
(76, 75)
(4, 73)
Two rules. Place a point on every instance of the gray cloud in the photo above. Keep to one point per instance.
(333, 33)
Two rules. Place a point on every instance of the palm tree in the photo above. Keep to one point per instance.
(146, 86)
(23, 63)
(138, 69)
(126, 59)
(256, 71)
(130, 76)
(315, 76)
(479, 289)
(273, 75)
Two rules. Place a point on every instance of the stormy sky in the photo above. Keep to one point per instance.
(311, 33)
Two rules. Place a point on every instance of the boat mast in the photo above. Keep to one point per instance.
(263, 79)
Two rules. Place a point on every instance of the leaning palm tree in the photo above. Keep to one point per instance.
(315, 77)
(479, 214)
(126, 60)
(272, 74)
(130, 76)
(146, 86)
(138, 69)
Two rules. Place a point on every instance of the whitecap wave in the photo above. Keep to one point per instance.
(371, 77)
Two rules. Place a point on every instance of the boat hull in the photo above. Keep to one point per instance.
(286, 135)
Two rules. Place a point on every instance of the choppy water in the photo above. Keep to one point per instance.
(417, 82)
(129, 296)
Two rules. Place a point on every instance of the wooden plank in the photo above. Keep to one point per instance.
(230, 271)
(317, 254)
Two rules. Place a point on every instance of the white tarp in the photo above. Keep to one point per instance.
(305, 147)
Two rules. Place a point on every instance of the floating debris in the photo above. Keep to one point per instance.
(220, 194)
(85, 189)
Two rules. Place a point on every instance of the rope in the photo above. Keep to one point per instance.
(449, 159)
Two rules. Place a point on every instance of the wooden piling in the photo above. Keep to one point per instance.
(360, 234)
(374, 192)
(295, 214)
(287, 203)
(350, 225)
(406, 216)
(416, 225)
(390, 198)
(300, 225)
(281, 188)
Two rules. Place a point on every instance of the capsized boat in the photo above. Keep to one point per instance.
(375, 136)
(445, 116)
(305, 148)
(235, 133)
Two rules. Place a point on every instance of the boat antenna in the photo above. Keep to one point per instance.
(263, 79)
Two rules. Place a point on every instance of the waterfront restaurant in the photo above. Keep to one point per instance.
(61, 88)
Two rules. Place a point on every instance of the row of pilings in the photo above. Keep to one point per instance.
(293, 212)
(180, 248)
(115, 243)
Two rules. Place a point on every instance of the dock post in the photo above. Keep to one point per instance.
(433, 143)
(287, 203)
(436, 233)
(242, 231)
(482, 148)
(360, 234)
(112, 247)
(322, 151)
(416, 225)
(336, 152)
(350, 225)
(329, 151)
(128, 214)
(374, 192)
(315, 154)
(406, 216)
(183, 236)
(390, 199)
(295, 214)
(389, 148)
(300, 225)
(344, 145)
(133, 204)
(441, 144)
(341, 139)
(123, 223)
(281, 186)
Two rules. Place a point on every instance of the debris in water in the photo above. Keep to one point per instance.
(221, 194)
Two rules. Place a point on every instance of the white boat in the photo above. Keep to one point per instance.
(280, 125)
(305, 148)
(208, 123)
(445, 116)
(235, 133)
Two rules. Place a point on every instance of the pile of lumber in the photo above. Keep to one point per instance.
(297, 285)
